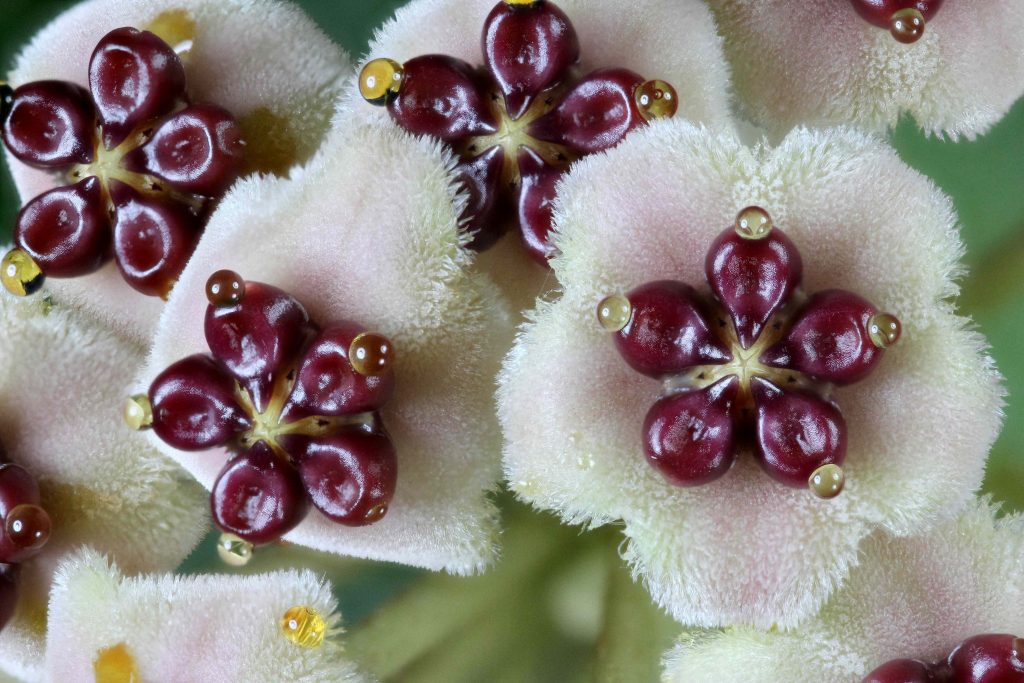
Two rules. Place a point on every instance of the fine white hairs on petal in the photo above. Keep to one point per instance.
(243, 57)
(745, 549)
(62, 382)
(196, 628)
(369, 233)
(915, 597)
(820, 63)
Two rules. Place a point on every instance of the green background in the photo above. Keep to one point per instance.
(560, 607)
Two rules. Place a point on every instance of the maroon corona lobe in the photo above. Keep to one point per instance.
(66, 230)
(50, 124)
(986, 658)
(903, 671)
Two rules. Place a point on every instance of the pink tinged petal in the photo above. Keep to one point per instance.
(8, 591)
(442, 96)
(50, 124)
(528, 49)
(536, 203)
(134, 77)
(326, 383)
(256, 341)
(66, 230)
(668, 330)
(258, 496)
(350, 477)
(753, 278)
(830, 340)
(797, 432)
(595, 114)
(195, 406)
(197, 150)
(483, 217)
(153, 238)
(689, 437)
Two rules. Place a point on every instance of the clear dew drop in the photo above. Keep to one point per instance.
(827, 481)
(138, 412)
(884, 330)
(371, 354)
(234, 551)
(614, 312)
(304, 626)
(656, 100)
(753, 223)
(21, 276)
(380, 80)
(115, 664)
(907, 25)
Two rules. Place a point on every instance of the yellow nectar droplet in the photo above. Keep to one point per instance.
(176, 27)
(907, 25)
(656, 100)
(371, 354)
(20, 274)
(225, 288)
(753, 223)
(234, 551)
(380, 80)
(138, 412)
(614, 312)
(884, 330)
(827, 481)
(522, 3)
(116, 665)
(304, 626)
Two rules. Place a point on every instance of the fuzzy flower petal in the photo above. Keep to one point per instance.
(673, 41)
(62, 380)
(242, 57)
(369, 233)
(201, 628)
(798, 62)
(745, 549)
(914, 598)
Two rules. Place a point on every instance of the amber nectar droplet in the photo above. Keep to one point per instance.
(1018, 648)
(116, 665)
(753, 223)
(907, 25)
(28, 526)
(827, 481)
(138, 412)
(304, 626)
(614, 312)
(225, 288)
(20, 274)
(371, 354)
(234, 551)
(656, 100)
(884, 330)
(380, 80)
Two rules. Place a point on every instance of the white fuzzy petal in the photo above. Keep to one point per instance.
(745, 549)
(62, 382)
(911, 597)
(244, 57)
(190, 628)
(369, 233)
(797, 62)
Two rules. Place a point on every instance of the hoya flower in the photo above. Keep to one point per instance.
(105, 626)
(521, 89)
(341, 374)
(950, 65)
(951, 599)
(60, 379)
(733, 366)
(132, 173)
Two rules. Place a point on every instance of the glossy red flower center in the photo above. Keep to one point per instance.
(987, 658)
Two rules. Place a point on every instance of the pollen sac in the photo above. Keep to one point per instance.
(304, 626)
(141, 165)
(518, 122)
(297, 406)
(750, 368)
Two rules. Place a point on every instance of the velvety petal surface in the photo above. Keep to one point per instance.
(915, 597)
(745, 549)
(369, 233)
(62, 382)
(820, 63)
(242, 57)
(202, 628)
